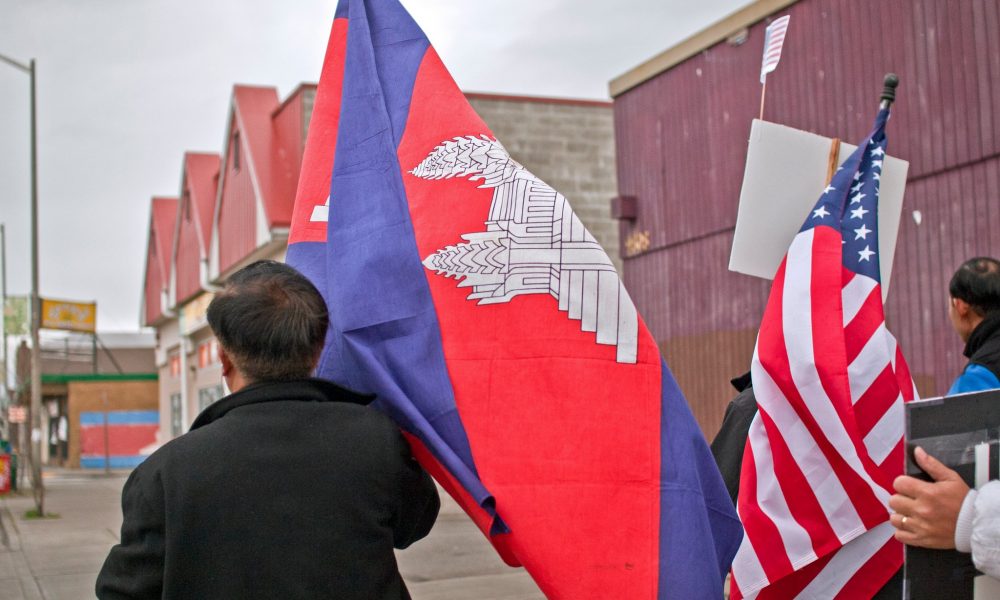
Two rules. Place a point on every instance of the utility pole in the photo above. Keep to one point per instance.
(36, 304)
(36, 318)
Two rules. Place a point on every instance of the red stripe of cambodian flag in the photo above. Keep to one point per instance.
(466, 294)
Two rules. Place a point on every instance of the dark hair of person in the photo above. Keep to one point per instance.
(271, 321)
(977, 283)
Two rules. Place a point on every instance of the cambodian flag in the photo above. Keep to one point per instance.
(468, 296)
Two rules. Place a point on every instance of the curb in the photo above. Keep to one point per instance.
(11, 538)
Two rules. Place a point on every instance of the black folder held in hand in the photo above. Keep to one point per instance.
(963, 432)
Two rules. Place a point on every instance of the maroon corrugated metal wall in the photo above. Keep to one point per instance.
(681, 145)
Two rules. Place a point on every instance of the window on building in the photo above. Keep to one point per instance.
(208, 395)
(236, 151)
(208, 353)
(176, 425)
(175, 364)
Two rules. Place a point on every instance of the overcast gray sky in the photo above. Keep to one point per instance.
(126, 86)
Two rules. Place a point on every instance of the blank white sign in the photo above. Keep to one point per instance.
(785, 174)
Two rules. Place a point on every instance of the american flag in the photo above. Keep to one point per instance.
(774, 38)
(830, 382)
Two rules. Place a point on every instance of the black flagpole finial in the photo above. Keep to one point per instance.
(889, 89)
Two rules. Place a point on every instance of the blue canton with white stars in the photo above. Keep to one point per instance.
(850, 202)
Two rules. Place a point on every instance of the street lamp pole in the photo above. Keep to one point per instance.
(36, 304)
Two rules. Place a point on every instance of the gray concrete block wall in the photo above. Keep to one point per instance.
(568, 145)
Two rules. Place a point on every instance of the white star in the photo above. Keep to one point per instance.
(857, 198)
(862, 234)
(829, 189)
(857, 176)
(820, 212)
(878, 151)
(859, 212)
(877, 164)
(866, 254)
(857, 188)
(877, 176)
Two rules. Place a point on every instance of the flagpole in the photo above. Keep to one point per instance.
(889, 84)
(763, 90)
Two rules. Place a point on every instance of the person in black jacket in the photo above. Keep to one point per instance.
(729, 443)
(290, 487)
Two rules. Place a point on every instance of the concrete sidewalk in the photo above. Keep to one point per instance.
(58, 559)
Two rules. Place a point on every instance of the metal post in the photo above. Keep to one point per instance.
(36, 318)
(36, 373)
(107, 437)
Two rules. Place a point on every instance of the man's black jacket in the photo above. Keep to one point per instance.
(282, 490)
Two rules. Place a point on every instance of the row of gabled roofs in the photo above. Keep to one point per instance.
(237, 207)
(231, 208)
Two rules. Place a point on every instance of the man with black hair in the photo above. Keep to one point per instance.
(975, 314)
(290, 487)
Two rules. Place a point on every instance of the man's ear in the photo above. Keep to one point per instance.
(227, 362)
(962, 308)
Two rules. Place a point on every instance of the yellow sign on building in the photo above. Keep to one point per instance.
(69, 316)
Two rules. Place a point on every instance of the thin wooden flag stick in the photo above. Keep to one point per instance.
(763, 90)
(834, 159)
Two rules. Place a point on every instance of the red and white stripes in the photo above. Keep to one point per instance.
(774, 38)
(827, 441)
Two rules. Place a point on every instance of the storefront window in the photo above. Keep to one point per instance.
(209, 395)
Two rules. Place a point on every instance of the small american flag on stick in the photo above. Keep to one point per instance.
(774, 38)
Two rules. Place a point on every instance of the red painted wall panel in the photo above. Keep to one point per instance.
(123, 440)
(681, 145)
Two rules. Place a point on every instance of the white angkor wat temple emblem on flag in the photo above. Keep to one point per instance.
(533, 244)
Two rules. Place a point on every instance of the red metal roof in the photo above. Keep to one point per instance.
(201, 171)
(268, 161)
(295, 97)
(193, 231)
(162, 218)
(291, 121)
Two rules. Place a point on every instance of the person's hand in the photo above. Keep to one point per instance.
(926, 512)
